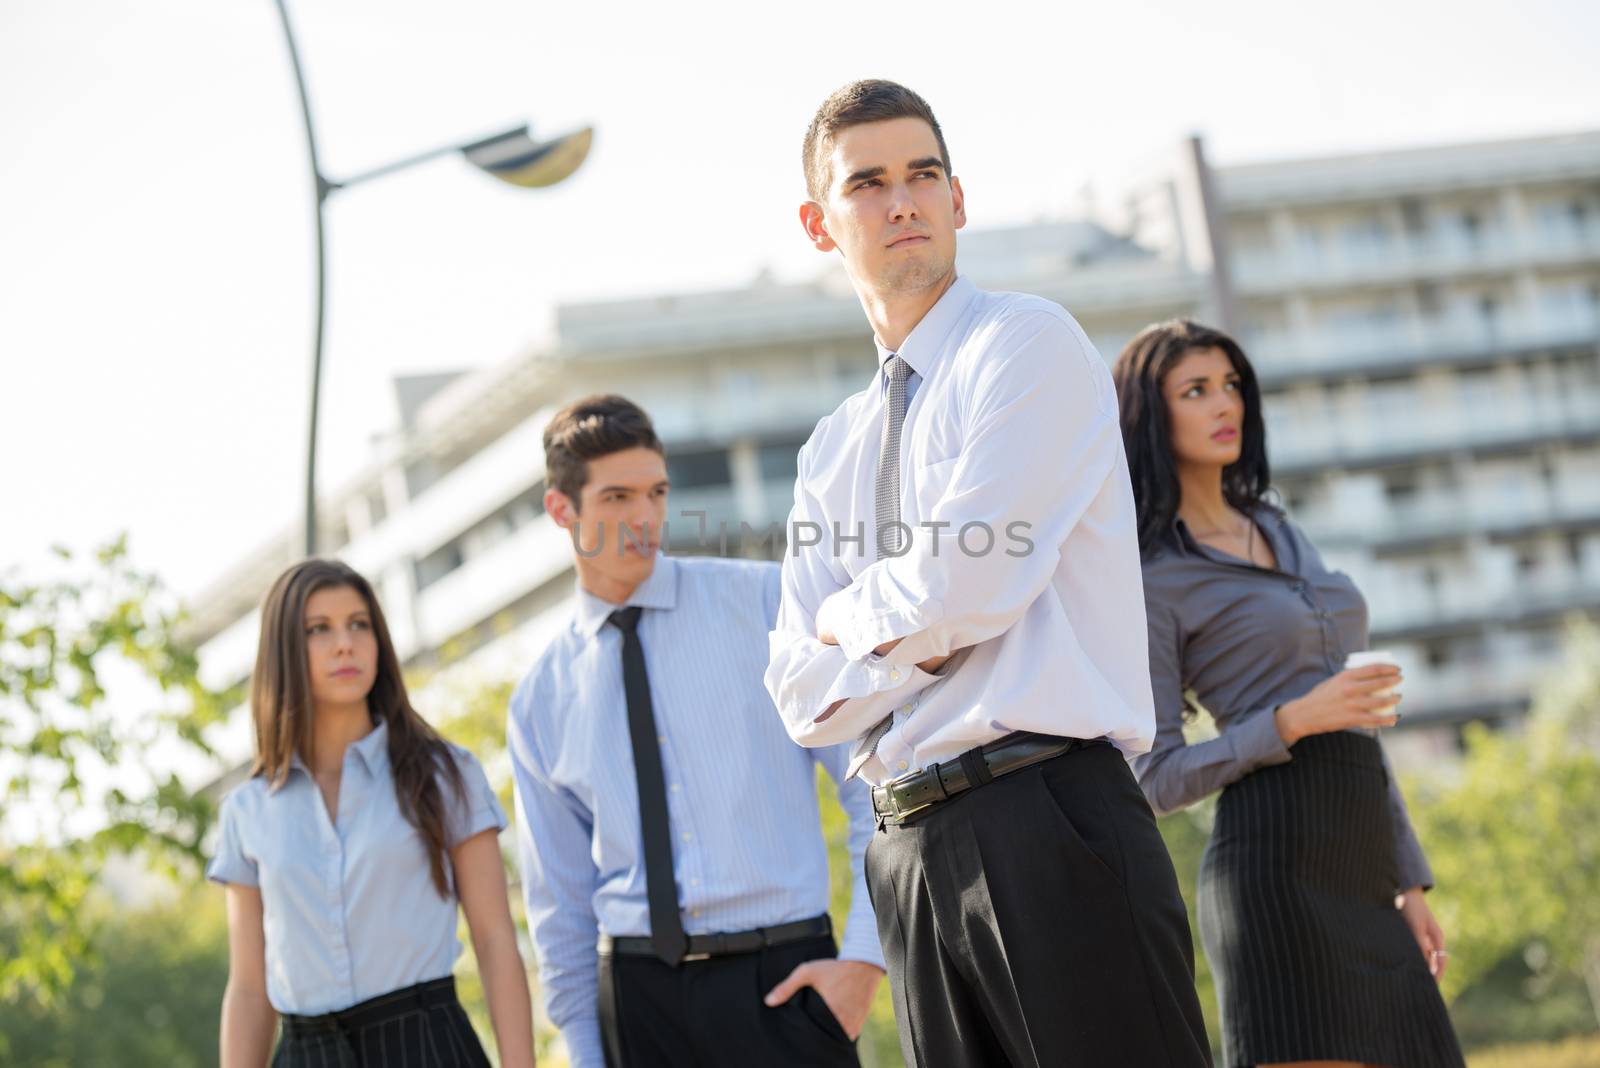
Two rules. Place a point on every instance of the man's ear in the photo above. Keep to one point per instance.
(816, 226)
(958, 201)
(561, 508)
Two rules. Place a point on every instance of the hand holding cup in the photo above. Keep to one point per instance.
(1362, 696)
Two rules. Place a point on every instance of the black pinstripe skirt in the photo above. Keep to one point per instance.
(422, 1026)
(1312, 960)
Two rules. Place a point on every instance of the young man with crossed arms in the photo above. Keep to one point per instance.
(983, 645)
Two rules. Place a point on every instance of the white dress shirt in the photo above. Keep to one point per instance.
(1012, 436)
(748, 849)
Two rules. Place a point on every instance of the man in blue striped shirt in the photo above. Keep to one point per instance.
(675, 869)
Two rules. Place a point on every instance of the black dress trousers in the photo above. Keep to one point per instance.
(1036, 922)
(712, 1013)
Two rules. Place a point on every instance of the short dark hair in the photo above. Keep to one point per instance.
(1146, 433)
(588, 429)
(869, 100)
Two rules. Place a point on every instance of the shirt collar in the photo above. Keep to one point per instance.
(923, 345)
(660, 590)
(372, 749)
(1268, 519)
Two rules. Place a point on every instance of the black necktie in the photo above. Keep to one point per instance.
(661, 887)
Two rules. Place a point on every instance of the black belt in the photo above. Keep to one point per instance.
(902, 798)
(704, 947)
(376, 1010)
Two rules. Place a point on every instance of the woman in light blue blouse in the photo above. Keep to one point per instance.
(345, 853)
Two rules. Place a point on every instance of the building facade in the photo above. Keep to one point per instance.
(1426, 325)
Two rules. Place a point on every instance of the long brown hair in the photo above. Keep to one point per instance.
(280, 701)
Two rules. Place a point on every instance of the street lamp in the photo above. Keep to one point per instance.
(513, 156)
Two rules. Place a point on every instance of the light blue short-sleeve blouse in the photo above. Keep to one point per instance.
(349, 908)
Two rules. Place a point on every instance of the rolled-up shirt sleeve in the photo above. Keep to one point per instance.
(1175, 774)
(805, 676)
(1041, 395)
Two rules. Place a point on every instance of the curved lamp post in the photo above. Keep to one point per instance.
(513, 156)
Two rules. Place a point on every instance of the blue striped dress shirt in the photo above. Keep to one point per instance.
(748, 850)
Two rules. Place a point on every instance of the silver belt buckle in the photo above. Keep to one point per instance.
(687, 957)
(902, 814)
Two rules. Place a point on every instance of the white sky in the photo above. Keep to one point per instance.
(155, 212)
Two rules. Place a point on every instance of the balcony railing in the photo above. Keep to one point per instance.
(1402, 602)
(1282, 357)
(1398, 259)
(1445, 515)
(1363, 436)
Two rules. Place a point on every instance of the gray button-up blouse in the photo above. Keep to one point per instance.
(1245, 640)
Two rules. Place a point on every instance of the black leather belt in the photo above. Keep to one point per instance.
(704, 947)
(896, 801)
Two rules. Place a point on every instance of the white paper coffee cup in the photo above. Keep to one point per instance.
(1368, 658)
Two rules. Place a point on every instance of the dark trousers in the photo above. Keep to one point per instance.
(1036, 922)
(422, 1026)
(710, 1013)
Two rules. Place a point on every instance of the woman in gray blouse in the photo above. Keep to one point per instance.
(1311, 889)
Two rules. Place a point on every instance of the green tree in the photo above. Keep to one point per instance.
(149, 996)
(1514, 835)
(80, 766)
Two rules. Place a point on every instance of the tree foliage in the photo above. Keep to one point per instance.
(148, 997)
(1514, 834)
(99, 699)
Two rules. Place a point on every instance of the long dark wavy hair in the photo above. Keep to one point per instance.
(1139, 372)
(280, 701)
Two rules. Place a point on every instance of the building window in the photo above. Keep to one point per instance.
(439, 563)
(778, 460)
(693, 470)
(1436, 653)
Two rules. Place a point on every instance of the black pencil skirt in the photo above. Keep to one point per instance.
(1296, 901)
(422, 1026)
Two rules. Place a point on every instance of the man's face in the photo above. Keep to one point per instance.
(621, 509)
(890, 208)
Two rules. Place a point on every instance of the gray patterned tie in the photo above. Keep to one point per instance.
(886, 506)
(886, 500)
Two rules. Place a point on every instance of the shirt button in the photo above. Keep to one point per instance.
(695, 913)
(894, 674)
(902, 765)
(676, 788)
(686, 836)
(694, 882)
(661, 739)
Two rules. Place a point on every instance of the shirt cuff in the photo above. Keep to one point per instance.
(584, 1047)
(874, 677)
(1257, 743)
(1417, 874)
(860, 941)
(860, 629)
